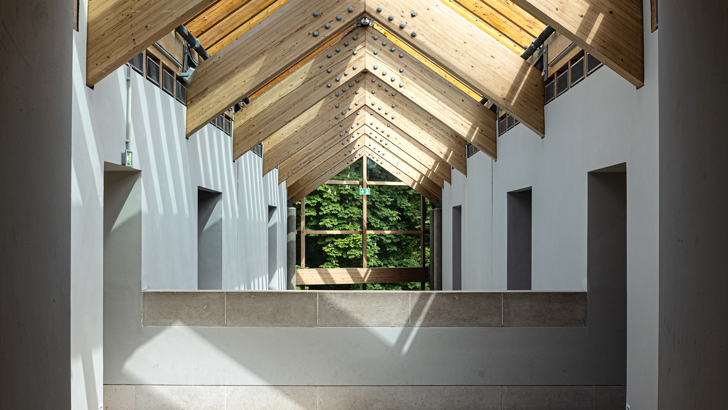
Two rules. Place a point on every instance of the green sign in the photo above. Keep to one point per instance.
(365, 191)
(128, 158)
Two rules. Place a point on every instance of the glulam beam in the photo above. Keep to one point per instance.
(120, 29)
(425, 88)
(510, 20)
(301, 164)
(413, 181)
(611, 30)
(439, 158)
(323, 117)
(305, 87)
(404, 163)
(416, 122)
(471, 54)
(328, 169)
(262, 52)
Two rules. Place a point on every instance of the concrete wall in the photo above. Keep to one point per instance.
(35, 225)
(601, 122)
(693, 197)
(172, 170)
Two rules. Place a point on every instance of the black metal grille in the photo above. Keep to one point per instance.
(152, 71)
(137, 63)
(577, 71)
(562, 83)
(219, 122)
(181, 93)
(550, 91)
(503, 126)
(511, 122)
(592, 64)
(168, 82)
(258, 150)
(472, 150)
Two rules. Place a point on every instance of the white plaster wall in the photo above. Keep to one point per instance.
(172, 170)
(602, 121)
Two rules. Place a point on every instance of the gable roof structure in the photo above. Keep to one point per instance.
(408, 76)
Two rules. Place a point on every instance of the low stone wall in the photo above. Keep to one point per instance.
(364, 309)
(124, 397)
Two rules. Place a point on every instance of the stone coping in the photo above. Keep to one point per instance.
(147, 397)
(364, 309)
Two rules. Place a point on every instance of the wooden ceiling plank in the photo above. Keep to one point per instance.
(466, 51)
(611, 30)
(416, 122)
(261, 53)
(120, 29)
(517, 15)
(500, 22)
(237, 19)
(319, 176)
(241, 29)
(298, 166)
(468, 118)
(487, 28)
(213, 15)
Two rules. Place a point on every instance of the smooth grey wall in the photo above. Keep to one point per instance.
(209, 240)
(520, 217)
(35, 210)
(693, 196)
(457, 247)
(602, 121)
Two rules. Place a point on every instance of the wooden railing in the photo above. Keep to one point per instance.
(350, 276)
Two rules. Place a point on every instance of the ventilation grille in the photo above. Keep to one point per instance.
(168, 82)
(137, 63)
(550, 91)
(503, 126)
(592, 64)
(152, 71)
(220, 121)
(472, 150)
(258, 150)
(562, 83)
(577, 71)
(511, 122)
(228, 126)
(181, 92)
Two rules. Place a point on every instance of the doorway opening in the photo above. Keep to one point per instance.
(209, 240)
(520, 222)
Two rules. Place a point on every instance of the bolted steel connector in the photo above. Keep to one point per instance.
(315, 33)
(316, 14)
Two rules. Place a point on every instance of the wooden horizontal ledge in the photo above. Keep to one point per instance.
(313, 308)
(381, 183)
(361, 232)
(352, 276)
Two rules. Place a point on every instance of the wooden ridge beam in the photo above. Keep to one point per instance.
(120, 29)
(306, 161)
(475, 57)
(435, 160)
(263, 52)
(317, 120)
(377, 142)
(611, 30)
(411, 180)
(347, 276)
(416, 122)
(319, 176)
(447, 103)
(299, 91)
(515, 14)
(405, 164)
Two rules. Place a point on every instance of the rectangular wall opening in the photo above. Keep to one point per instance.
(607, 250)
(272, 246)
(457, 248)
(209, 239)
(520, 218)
